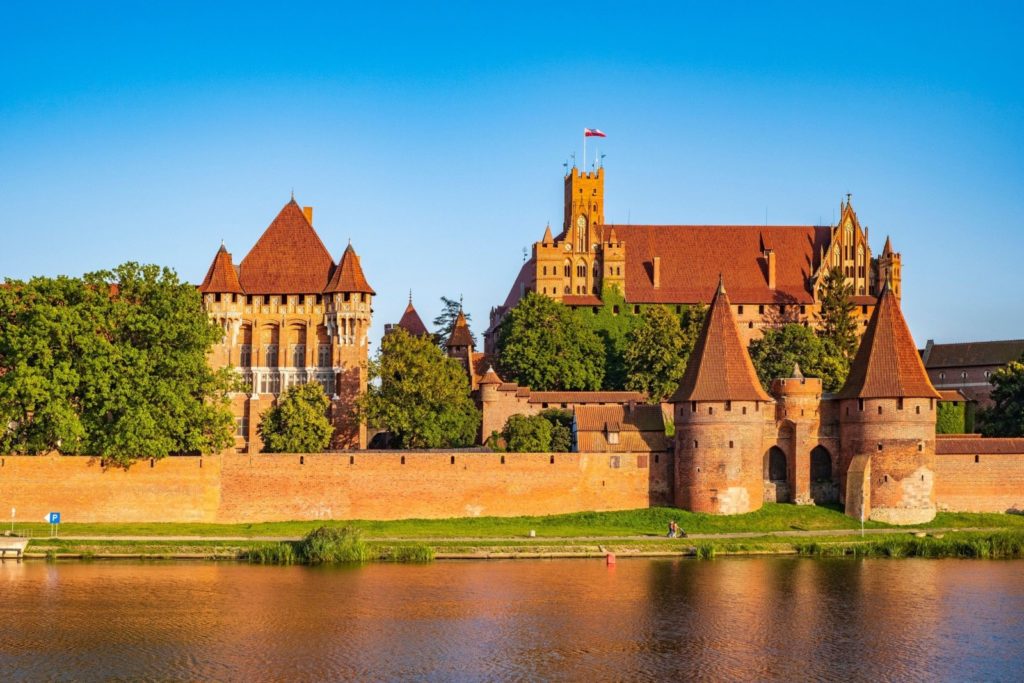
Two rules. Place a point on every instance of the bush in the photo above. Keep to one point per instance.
(298, 423)
(528, 434)
(276, 553)
(334, 545)
(412, 553)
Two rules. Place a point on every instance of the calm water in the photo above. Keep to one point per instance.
(764, 618)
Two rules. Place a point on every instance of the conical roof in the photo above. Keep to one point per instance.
(887, 249)
(547, 239)
(460, 333)
(288, 258)
(412, 323)
(887, 364)
(490, 377)
(348, 276)
(221, 277)
(719, 369)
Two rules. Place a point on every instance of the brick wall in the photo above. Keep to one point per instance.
(360, 485)
(982, 482)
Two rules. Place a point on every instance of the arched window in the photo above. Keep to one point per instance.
(776, 464)
(566, 268)
(821, 464)
(581, 270)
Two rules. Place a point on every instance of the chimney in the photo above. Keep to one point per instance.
(307, 211)
(657, 272)
(769, 257)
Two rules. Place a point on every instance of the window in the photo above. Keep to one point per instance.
(613, 438)
(739, 309)
(245, 356)
(270, 383)
(327, 382)
(760, 309)
(216, 297)
(636, 309)
(860, 404)
(319, 299)
(581, 270)
(242, 426)
(302, 299)
(266, 299)
(566, 269)
(899, 404)
(271, 356)
(988, 374)
(299, 355)
(963, 375)
(942, 376)
(248, 299)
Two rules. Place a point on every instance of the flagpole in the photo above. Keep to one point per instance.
(584, 150)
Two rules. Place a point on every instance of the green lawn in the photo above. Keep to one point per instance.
(644, 522)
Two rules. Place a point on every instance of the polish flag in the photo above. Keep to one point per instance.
(593, 133)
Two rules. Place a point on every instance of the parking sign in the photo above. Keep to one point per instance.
(54, 518)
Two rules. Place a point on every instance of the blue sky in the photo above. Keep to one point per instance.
(434, 137)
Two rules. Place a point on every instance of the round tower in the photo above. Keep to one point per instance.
(798, 415)
(887, 424)
(720, 411)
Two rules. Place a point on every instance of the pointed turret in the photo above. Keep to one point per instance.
(411, 321)
(221, 277)
(288, 258)
(460, 336)
(719, 369)
(887, 249)
(348, 276)
(547, 240)
(887, 364)
(490, 377)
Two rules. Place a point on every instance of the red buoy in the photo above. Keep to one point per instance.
(610, 558)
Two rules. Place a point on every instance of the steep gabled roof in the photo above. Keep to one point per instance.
(693, 256)
(719, 369)
(460, 335)
(887, 364)
(221, 277)
(412, 323)
(975, 353)
(288, 258)
(348, 276)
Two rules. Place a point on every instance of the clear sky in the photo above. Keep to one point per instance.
(433, 135)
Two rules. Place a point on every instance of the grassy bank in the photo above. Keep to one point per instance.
(643, 522)
(1005, 543)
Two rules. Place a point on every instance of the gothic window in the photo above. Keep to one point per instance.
(567, 289)
(566, 269)
(328, 384)
(271, 356)
(245, 356)
(581, 234)
(299, 355)
(323, 355)
(581, 270)
(860, 255)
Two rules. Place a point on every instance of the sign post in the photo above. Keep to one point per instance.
(54, 519)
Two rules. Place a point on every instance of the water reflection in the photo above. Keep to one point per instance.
(752, 619)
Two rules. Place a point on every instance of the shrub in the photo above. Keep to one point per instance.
(334, 545)
(528, 434)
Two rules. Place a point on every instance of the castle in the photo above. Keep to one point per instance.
(871, 445)
(775, 272)
(290, 315)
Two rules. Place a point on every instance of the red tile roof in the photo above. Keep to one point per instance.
(640, 428)
(582, 300)
(490, 377)
(719, 369)
(952, 445)
(221, 277)
(288, 258)
(412, 323)
(460, 335)
(887, 364)
(951, 395)
(348, 276)
(693, 256)
(975, 353)
(584, 397)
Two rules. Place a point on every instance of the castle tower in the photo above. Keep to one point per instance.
(460, 346)
(223, 298)
(720, 413)
(581, 231)
(890, 269)
(410, 322)
(349, 300)
(887, 424)
(613, 253)
(797, 411)
(492, 420)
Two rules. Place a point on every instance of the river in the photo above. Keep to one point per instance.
(729, 618)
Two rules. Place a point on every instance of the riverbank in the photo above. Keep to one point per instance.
(775, 529)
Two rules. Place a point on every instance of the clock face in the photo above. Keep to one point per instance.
(568, 246)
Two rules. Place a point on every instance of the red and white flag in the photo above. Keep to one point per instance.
(593, 133)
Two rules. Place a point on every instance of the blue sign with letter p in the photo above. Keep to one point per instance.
(54, 518)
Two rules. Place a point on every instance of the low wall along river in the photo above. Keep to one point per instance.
(234, 488)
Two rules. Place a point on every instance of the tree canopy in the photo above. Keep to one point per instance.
(548, 431)
(298, 423)
(775, 353)
(444, 323)
(657, 349)
(420, 395)
(542, 345)
(838, 327)
(1006, 415)
(112, 364)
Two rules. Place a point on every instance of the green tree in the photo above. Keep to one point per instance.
(838, 327)
(112, 364)
(776, 352)
(542, 345)
(444, 323)
(298, 423)
(1006, 415)
(656, 354)
(419, 395)
(612, 321)
(951, 418)
(561, 428)
(527, 434)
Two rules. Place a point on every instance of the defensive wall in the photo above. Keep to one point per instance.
(233, 488)
(979, 475)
